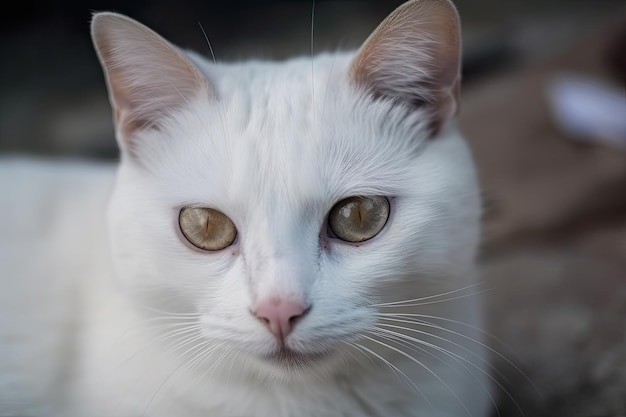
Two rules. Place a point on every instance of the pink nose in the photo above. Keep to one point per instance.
(280, 315)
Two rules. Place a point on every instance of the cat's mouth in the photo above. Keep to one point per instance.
(290, 358)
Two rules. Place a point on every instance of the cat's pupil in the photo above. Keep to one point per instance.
(207, 228)
(356, 219)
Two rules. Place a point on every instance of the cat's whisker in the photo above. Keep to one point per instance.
(430, 297)
(405, 342)
(208, 347)
(434, 336)
(435, 326)
(349, 352)
(221, 106)
(400, 339)
(424, 366)
(168, 320)
(154, 327)
(231, 361)
(215, 364)
(438, 301)
(155, 310)
(199, 353)
(484, 361)
(189, 340)
(160, 322)
(312, 61)
(220, 103)
(462, 361)
(168, 378)
(394, 369)
(417, 318)
(409, 319)
(417, 345)
(141, 326)
(208, 42)
(167, 336)
(197, 360)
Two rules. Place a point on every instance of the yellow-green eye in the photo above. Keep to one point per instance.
(357, 219)
(207, 228)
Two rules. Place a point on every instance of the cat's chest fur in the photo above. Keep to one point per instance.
(278, 239)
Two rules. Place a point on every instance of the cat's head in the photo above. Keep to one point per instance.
(281, 201)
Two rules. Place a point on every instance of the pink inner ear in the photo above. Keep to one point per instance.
(414, 56)
(147, 77)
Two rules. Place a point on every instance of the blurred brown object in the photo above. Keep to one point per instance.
(539, 184)
(564, 321)
(617, 54)
(554, 254)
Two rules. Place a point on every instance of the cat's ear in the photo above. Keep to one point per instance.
(414, 56)
(147, 77)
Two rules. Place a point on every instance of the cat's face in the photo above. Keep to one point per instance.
(234, 200)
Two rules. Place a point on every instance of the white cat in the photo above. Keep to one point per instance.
(284, 239)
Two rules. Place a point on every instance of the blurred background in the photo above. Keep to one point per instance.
(543, 109)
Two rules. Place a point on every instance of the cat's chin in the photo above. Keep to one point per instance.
(292, 359)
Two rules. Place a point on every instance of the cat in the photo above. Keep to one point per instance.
(290, 238)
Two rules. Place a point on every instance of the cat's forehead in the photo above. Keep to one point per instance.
(290, 114)
(287, 134)
(277, 102)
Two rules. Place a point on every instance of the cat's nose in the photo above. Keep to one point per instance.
(280, 315)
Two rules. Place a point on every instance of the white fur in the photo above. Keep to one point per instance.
(275, 156)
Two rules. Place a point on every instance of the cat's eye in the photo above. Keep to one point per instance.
(207, 228)
(356, 219)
